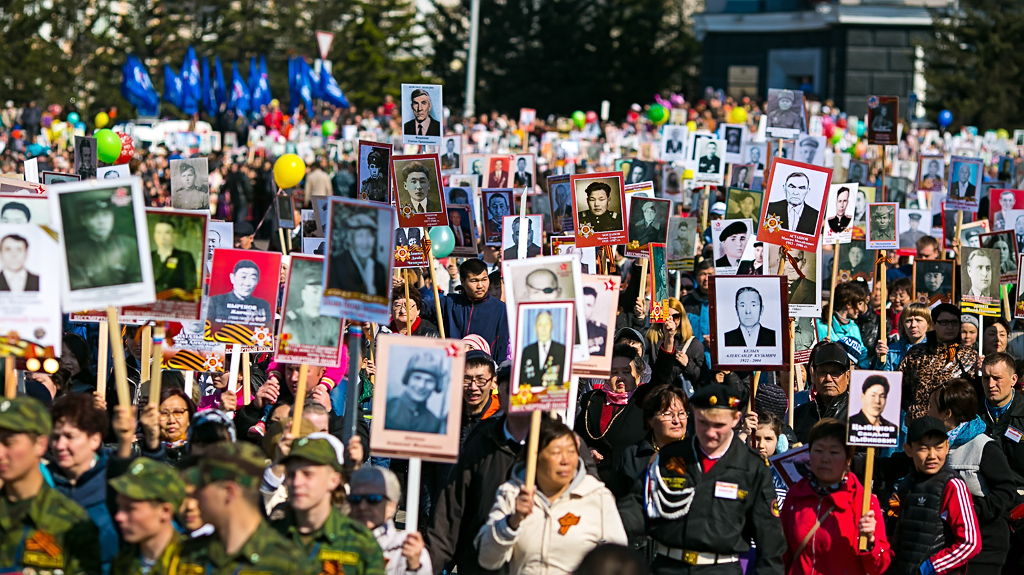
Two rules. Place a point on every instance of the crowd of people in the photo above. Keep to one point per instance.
(664, 467)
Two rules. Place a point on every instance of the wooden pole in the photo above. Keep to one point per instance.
(236, 358)
(865, 506)
(101, 361)
(1006, 304)
(246, 379)
(156, 376)
(433, 286)
(704, 208)
(408, 307)
(956, 253)
(117, 346)
(880, 277)
(642, 297)
(10, 378)
(284, 247)
(147, 352)
(792, 373)
(531, 449)
(753, 388)
(300, 401)
(832, 291)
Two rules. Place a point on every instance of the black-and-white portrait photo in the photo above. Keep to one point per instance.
(417, 398)
(730, 239)
(881, 231)
(839, 212)
(599, 202)
(913, 225)
(561, 203)
(785, 110)
(19, 209)
(882, 120)
(284, 208)
(748, 317)
(301, 319)
(640, 171)
(115, 172)
(49, 178)
(86, 158)
(451, 154)
(458, 195)
(360, 254)
(742, 175)
(513, 235)
(682, 238)
(1005, 243)
(190, 184)
(811, 150)
(979, 275)
(796, 195)
(743, 204)
(422, 114)
(673, 143)
(648, 220)
(710, 164)
(858, 173)
(933, 280)
(523, 171)
(755, 153)
(374, 179)
(544, 279)
(734, 134)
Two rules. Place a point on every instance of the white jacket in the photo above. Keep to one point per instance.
(554, 538)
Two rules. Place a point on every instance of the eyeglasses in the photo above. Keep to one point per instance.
(544, 290)
(948, 322)
(676, 316)
(672, 415)
(176, 414)
(479, 381)
(371, 499)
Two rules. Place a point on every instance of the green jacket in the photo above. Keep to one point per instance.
(342, 545)
(52, 533)
(265, 553)
(127, 561)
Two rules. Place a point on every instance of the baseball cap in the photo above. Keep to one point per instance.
(25, 414)
(150, 480)
(242, 463)
(830, 353)
(375, 480)
(925, 426)
(318, 449)
(718, 208)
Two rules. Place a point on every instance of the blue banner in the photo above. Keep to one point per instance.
(220, 88)
(138, 89)
(191, 83)
(240, 100)
(172, 87)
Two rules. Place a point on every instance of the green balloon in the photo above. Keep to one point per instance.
(579, 118)
(442, 241)
(108, 146)
(329, 128)
(657, 113)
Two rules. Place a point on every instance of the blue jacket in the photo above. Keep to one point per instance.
(897, 349)
(849, 337)
(486, 318)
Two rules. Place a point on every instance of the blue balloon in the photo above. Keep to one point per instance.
(73, 118)
(945, 118)
(80, 126)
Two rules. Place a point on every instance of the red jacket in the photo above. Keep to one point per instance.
(832, 549)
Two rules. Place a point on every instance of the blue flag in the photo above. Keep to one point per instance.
(240, 98)
(330, 90)
(304, 84)
(316, 89)
(254, 74)
(293, 89)
(209, 100)
(172, 87)
(220, 89)
(137, 88)
(262, 85)
(191, 83)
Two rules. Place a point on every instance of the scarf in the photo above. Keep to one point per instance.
(997, 412)
(966, 431)
(615, 398)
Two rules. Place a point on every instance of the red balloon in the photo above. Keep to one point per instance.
(691, 114)
(632, 116)
(127, 149)
(16, 134)
(591, 117)
(841, 122)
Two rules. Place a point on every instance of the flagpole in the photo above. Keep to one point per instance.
(469, 108)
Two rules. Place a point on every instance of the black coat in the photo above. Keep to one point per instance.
(1014, 450)
(808, 218)
(806, 415)
(625, 429)
(765, 337)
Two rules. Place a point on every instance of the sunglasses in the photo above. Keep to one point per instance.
(371, 499)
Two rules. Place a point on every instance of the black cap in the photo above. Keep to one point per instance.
(244, 229)
(717, 395)
(830, 353)
(925, 426)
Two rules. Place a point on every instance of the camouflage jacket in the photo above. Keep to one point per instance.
(127, 561)
(52, 533)
(265, 553)
(342, 545)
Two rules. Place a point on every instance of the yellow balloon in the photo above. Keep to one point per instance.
(289, 170)
(738, 115)
(102, 119)
(691, 125)
(688, 174)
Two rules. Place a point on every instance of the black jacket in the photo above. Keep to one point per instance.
(806, 415)
(1014, 450)
(628, 469)
(625, 429)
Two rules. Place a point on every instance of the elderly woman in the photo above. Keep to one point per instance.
(673, 342)
(527, 528)
(166, 431)
(610, 418)
(822, 517)
(980, 462)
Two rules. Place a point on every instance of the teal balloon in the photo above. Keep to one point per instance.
(579, 118)
(860, 128)
(73, 118)
(442, 241)
(108, 146)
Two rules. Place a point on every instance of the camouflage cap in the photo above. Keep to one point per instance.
(317, 450)
(150, 480)
(242, 463)
(25, 414)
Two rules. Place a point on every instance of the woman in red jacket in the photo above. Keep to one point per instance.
(822, 516)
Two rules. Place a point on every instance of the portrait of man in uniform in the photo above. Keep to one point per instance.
(189, 187)
(240, 306)
(597, 332)
(408, 400)
(302, 320)
(450, 157)
(599, 214)
(355, 267)
(102, 249)
(374, 184)
(173, 268)
(498, 206)
(786, 110)
(840, 222)
(523, 176)
(86, 161)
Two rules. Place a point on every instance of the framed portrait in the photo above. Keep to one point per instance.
(177, 239)
(732, 242)
(190, 184)
(600, 302)
(598, 201)
(1004, 242)
(527, 118)
(360, 253)
(963, 181)
(459, 195)
(409, 252)
(786, 115)
(477, 164)
(933, 281)
(693, 146)
(49, 178)
(422, 114)
(882, 232)
(749, 320)
(795, 205)
(640, 171)
(882, 121)
(524, 171)
(979, 281)
(658, 282)
(243, 297)
(858, 173)
(566, 245)
(463, 225)
(805, 336)
(1005, 171)
(810, 150)
(734, 136)
(710, 165)
(417, 405)
(498, 173)
(873, 419)
(743, 204)
(306, 336)
(512, 236)
(970, 232)
(105, 252)
(541, 370)
(15, 186)
(682, 242)
(913, 225)
(86, 158)
(119, 171)
(218, 235)
(545, 279)
(185, 348)
(741, 175)
(931, 173)
(284, 208)
(793, 465)
(673, 143)
(497, 205)
(755, 153)
(561, 203)
(373, 171)
(1004, 207)
(839, 214)
(1018, 138)
(30, 288)
(417, 184)
(803, 274)
(672, 183)
(648, 223)
(451, 154)
(24, 209)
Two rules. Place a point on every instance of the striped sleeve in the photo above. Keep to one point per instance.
(958, 512)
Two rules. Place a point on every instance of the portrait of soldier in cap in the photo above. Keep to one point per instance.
(189, 189)
(785, 109)
(883, 223)
(811, 150)
(86, 161)
(240, 306)
(354, 265)
(933, 278)
(908, 238)
(424, 375)
(102, 249)
(840, 222)
(374, 185)
(302, 319)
